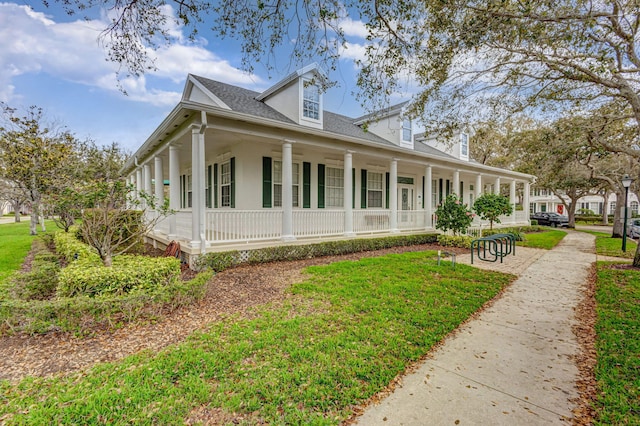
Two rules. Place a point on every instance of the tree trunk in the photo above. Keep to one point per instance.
(605, 215)
(617, 216)
(16, 216)
(33, 226)
(636, 257)
(571, 212)
(43, 228)
(107, 260)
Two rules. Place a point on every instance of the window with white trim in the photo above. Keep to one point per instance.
(406, 130)
(186, 190)
(225, 184)
(612, 207)
(334, 187)
(464, 145)
(374, 190)
(311, 101)
(634, 207)
(277, 183)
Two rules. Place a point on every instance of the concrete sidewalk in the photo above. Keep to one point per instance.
(514, 364)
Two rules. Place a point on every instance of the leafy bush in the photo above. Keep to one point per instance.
(81, 314)
(72, 249)
(461, 241)
(453, 214)
(534, 222)
(491, 206)
(128, 274)
(223, 260)
(41, 281)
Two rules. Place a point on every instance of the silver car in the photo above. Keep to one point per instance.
(633, 228)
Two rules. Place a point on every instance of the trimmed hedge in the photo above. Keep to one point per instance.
(128, 274)
(82, 314)
(41, 281)
(72, 249)
(462, 241)
(224, 260)
(519, 232)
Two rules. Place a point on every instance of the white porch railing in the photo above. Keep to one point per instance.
(243, 225)
(318, 223)
(369, 221)
(183, 224)
(411, 219)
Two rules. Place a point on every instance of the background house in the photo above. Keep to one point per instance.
(248, 168)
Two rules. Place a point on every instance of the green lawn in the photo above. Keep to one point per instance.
(16, 243)
(543, 240)
(618, 346)
(346, 332)
(607, 246)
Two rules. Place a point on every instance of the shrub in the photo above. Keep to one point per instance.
(128, 274)
(72, 249)
(491, 206)
(534, 222)
(41, 281)
(461, 241)
(81, 314)
(223, 260)
(453, 214)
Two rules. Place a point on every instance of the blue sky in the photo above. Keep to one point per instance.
(54, 61)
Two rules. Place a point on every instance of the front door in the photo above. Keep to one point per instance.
(405, 202)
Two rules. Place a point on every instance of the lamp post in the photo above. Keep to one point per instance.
(626, 182)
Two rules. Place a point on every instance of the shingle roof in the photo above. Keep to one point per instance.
(244, 101)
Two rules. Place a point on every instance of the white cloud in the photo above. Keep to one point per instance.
(35, 43)
(353, 28)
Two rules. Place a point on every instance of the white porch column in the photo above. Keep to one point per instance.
(478, 186)
(159, 178)
(138, 184)
(456, 182)
(525, 200)
(428, 195)
(287, 192)
(496, 187)
(393, 196)
(197, 170)
(512, 199)
(174, 187)
(348, 194)
(146, 171)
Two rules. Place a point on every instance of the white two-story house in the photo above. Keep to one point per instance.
(248, 168)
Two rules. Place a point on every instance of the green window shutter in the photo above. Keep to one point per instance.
(321, 186)
(387, 178)
(424, 202)
(448, 187)
(353, 188)
(209, 185)
(266, 182)
(215, 185)
(461, 190)
(183, 192)
(440, 191)
(232, 166)
(363, 189)
(306, 185)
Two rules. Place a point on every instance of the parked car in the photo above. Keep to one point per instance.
(633, 228)
(550, 219)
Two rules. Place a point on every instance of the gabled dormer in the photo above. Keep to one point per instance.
(456, 145)
(391, 124)
(195, 91)
(298, 96)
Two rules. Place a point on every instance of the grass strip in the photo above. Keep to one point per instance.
(16, 243)
(543, 240)
(341, 337)
(607, 246)
(618, 346)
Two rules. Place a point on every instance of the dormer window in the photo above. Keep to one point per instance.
(464, 145)
(311, 101)
(406, 130)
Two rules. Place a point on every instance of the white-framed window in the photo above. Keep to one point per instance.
(464, 145)
(225, 184)
(186, 190)
(634, 207)
(334, 187)
(406, 130)
(612, 207)
(434, 193)
(374, 190)
(311, 101)
(277, 183)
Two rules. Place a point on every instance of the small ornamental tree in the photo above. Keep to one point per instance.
(453, 214)
(491, 206)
